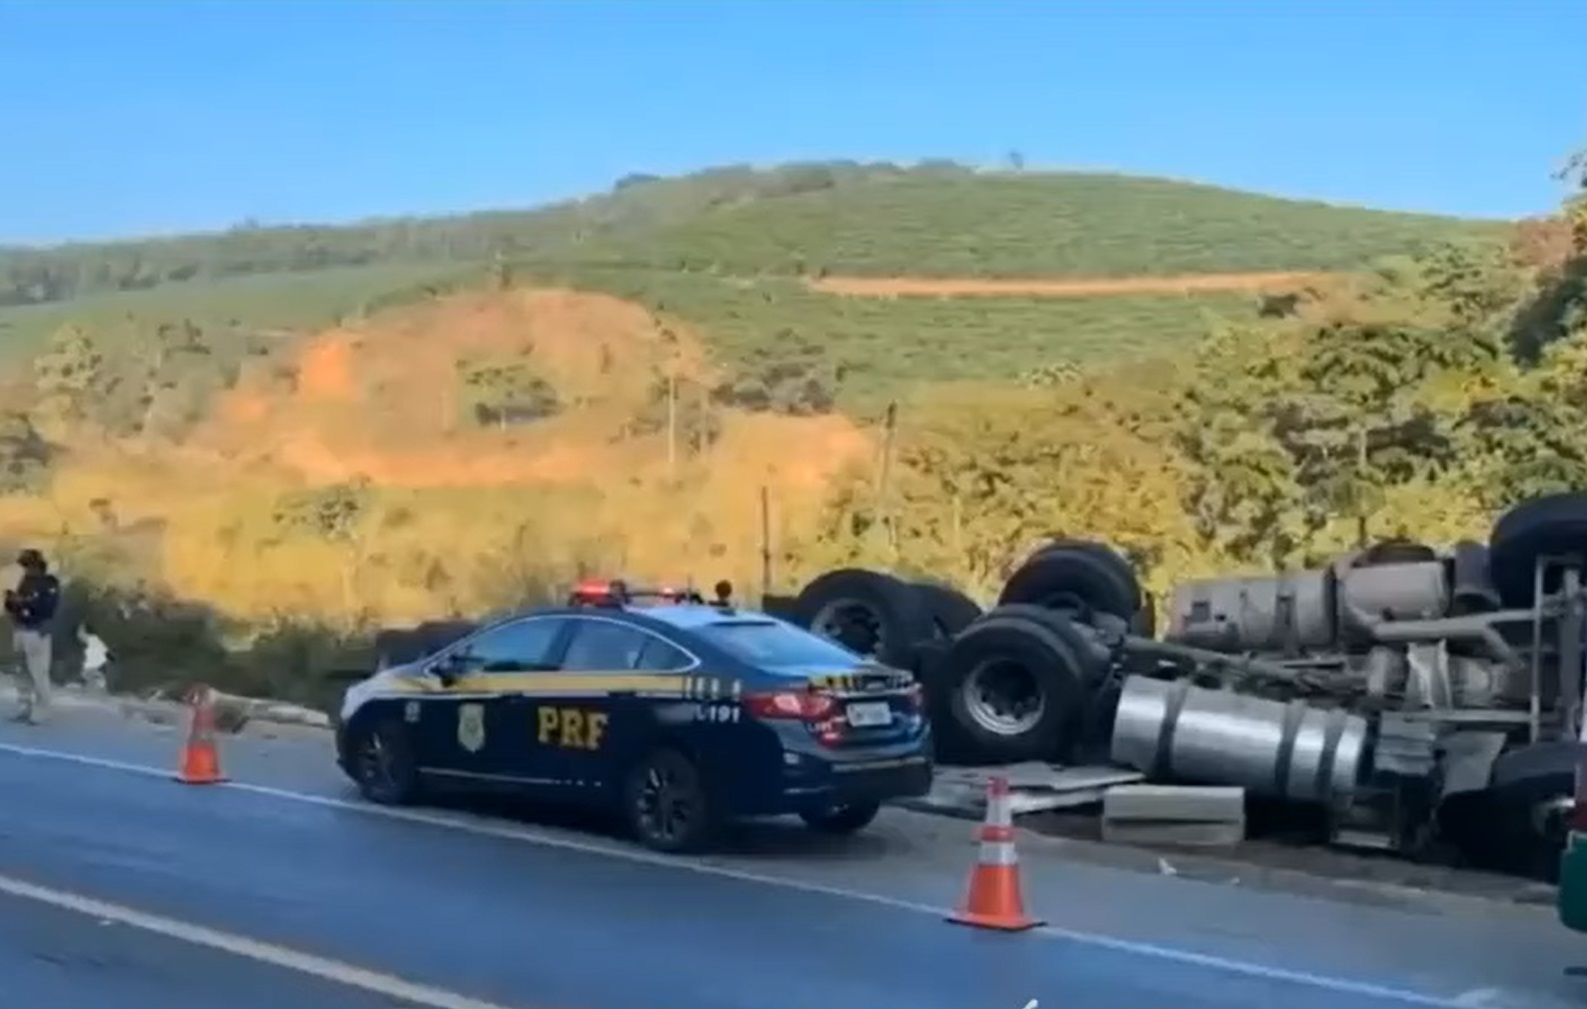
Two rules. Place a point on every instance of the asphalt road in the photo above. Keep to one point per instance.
(284, 887)
(54, 957)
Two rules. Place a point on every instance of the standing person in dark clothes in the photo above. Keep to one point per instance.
(32, 605)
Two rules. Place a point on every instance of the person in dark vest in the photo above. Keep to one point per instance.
(31, 606)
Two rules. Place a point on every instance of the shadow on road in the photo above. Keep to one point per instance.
(769, 838)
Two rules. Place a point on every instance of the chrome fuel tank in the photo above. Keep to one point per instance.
(1172, 730)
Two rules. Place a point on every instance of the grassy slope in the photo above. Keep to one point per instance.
(1030, 225)
(283, 303)
(706, 248)
(889, 345)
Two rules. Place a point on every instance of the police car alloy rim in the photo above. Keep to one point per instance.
(666, 803)
(852, 624)
(377, 764)
(1003, 697)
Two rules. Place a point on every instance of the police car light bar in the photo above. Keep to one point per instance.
(598, 592)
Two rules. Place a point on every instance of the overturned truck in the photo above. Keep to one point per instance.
(1422, 700)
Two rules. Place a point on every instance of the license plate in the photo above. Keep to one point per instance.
(870, 715)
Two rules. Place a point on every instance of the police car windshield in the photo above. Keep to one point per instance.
(767, 644)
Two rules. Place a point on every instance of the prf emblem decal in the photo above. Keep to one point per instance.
(410, 712)
(471, 727)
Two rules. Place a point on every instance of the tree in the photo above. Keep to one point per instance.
(24, 454)
(983, 473)
(1302, 425)
(69, 375)
(1575, 174)
(792, 375)
(334, 514)
(504, 392)
(179, 368)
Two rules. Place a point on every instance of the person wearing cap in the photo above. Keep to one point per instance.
(31, 606)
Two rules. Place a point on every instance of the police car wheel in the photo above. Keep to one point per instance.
(666, 803)
(849, 819)
(383, 764)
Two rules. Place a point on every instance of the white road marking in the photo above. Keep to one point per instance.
(386, 985)
(1324, 982)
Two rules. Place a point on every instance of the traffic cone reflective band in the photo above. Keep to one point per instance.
(200, 757)
(993, 899)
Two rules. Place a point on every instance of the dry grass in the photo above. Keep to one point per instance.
(457, 516)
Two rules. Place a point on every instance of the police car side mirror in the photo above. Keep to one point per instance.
(447, 668)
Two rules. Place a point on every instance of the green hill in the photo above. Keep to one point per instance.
(722, 251)
(1037, 225)
(840, 216)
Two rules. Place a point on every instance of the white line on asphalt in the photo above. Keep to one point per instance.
(326, 969)
(1324, 982)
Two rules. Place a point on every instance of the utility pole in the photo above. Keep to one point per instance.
(672, 421)
(765, 542)
(669, 340)
(884, 476)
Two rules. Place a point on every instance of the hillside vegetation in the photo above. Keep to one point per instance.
(1017, 225)
(473, 420)
(839, 217)
(724, 250)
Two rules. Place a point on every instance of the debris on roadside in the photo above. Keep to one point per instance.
(1035, 788)
(1175, 815)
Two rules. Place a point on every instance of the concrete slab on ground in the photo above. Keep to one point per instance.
(1176, 815)
(1036, 787)
(1174, 803)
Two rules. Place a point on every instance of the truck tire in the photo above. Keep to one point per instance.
(1500, 828)
(951, 610)
(1096, 547)
(1094, 654)
(868, 612)
(1144, 622)
(1553, 524)
(1076, 576)
(1013, 687)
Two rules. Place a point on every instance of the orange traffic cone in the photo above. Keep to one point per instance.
(200, 763)
(993, 899)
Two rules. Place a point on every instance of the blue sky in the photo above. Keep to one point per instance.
(124, 117)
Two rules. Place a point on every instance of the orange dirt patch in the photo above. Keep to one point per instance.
(325, 368)
(1098, 287)
(381, 400)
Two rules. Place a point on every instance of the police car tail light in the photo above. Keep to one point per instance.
(915, 699)
(791, 704)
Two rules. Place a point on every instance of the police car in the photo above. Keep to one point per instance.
(677, 713)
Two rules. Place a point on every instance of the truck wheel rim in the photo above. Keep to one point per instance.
(1003, 697)
(852, 624)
